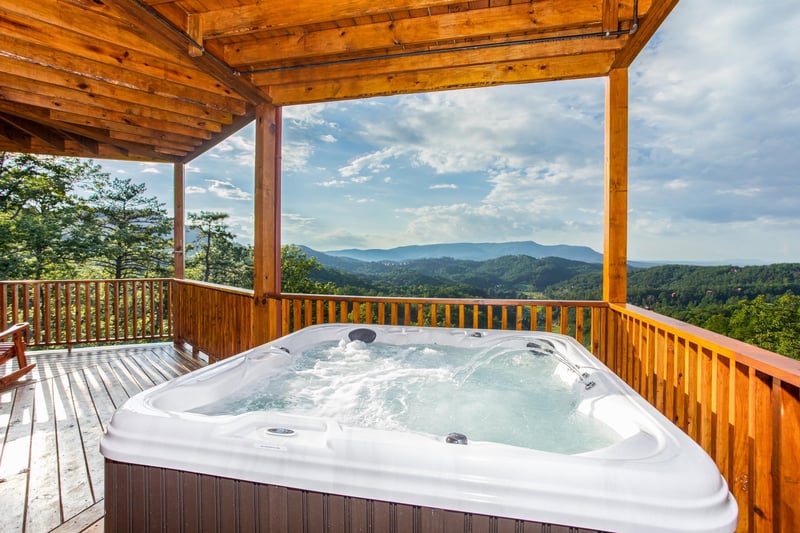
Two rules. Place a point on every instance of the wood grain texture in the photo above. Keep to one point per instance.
(51, 469)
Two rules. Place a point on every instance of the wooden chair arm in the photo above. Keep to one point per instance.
(16, 329)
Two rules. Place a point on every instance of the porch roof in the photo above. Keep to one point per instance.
(165, 80)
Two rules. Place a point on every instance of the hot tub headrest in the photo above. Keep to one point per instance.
(363, 335)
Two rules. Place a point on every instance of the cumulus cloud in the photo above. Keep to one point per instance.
(227, 190)
(444, 186)
(193, 189)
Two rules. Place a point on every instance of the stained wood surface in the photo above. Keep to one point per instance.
(165, 80)
(51, 421)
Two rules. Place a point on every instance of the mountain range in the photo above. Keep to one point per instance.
(470, 251)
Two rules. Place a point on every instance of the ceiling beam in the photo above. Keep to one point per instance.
(524, 71)
(35, 129)
(168, 35)
(658, 12)
(546, 15)
(433, 59)
(276, 15)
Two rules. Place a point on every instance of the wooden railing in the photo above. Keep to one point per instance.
(740, 403)
(572, 318)
(213, 319)
(73, 312)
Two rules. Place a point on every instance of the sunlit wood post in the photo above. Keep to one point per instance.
(615, 242)
(267, 226)
(179, 217)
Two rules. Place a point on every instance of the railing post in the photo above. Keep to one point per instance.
(615, 240)
(266, 316)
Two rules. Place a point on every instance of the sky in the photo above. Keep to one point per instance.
(714, 155)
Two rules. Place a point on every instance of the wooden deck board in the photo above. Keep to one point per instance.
(51, 469)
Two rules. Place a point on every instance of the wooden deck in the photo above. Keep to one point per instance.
(51, 470)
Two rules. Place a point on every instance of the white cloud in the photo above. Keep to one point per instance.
(373, 162)
(150, 169)
(227, 190)
(332, 183)
(327, 138)
(192, 189)
(444, 186)
(296, 155)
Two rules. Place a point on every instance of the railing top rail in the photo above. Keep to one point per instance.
(93, 280)
(440, 301)
(784, 368)
(221, 288)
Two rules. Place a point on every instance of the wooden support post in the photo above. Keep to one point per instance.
(179, 217)
(615, 245)
(267, 225)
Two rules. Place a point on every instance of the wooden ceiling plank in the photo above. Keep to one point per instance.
(569, 67)
(277, 15)
(35, 129)
(83, 47)
(547, 15)
(58, 120)
(92, 138)
(15, 88)
(145, 140)
(440, 59)
(237, 124)
(16, 100)
(94, 88)
(648, 24)
(124, 132)
(166, 36)
(17, 139)
(49, 58)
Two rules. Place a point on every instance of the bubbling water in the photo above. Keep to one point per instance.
(501, 394)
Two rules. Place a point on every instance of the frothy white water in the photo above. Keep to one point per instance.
(500, 394)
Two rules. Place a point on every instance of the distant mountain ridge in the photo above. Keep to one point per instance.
(470, 251)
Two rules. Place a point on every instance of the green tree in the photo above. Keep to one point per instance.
(296, 273)
(132, 231)
(43, 230)
(774, 326)
(217, 257)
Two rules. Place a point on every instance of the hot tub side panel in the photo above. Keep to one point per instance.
(147, 498)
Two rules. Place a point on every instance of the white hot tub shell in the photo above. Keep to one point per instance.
(271, 470)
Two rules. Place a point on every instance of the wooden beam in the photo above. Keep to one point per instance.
(658, 12)
(166, 35)
(35, 129)
(267, 225)
(548, 15)
(571, 67)
(178, 221)
(397, 64)
(237, 124)
(276, 15)
(615, 242)
(31, 38)
(610, 15)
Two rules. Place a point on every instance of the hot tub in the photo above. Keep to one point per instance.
(342, 427)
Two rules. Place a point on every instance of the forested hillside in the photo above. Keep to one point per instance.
(63, 219)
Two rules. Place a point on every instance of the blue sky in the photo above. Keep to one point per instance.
(714, 164)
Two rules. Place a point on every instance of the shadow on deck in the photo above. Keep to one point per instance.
(51, 469)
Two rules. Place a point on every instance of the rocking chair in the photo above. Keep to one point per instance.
(15, 348)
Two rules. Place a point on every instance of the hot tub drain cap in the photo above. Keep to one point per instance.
(456, 438)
